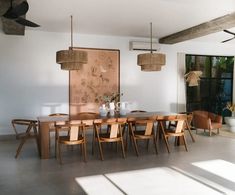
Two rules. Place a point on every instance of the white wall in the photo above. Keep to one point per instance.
(32, 84)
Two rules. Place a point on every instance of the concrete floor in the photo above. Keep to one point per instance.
(30, 175)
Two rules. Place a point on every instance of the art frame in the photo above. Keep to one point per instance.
(99, 78)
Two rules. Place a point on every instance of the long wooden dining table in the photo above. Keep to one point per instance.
(45, 122)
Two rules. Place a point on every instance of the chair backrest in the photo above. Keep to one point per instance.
(75, 129)
(200, 113)
(115, 126)
(25, 123)
(87, 117)
(180, 125)
(52, 125)
(58, 114)
(177, 120)
(148, 124)
(134, 111)
(73, 135)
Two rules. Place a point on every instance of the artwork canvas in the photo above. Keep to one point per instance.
(98, 78)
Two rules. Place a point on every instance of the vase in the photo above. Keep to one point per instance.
(233, 113)
(103, 110)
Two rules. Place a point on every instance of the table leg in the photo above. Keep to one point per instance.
(44, 140)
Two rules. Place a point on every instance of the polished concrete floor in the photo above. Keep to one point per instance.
(210, 162)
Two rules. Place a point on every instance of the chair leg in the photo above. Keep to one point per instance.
(59, 150)
(84, 151)
(135, 146)
(191, 135)
(210, 132)
(185, 144)
(126, 141)
(164, 137)
(147, 144)
(155, 143)
(93, 143)
(123, 149)
(20, 147)
(218, 131)
(101, 151)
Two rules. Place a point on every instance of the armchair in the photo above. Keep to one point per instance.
(207, 120)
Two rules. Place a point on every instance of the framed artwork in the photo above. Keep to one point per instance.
(99, 78)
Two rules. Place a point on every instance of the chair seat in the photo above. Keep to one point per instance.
(216, 125)
(172, 133)
(141, 135)
(106, 137)
(66, 140)
(114, 130)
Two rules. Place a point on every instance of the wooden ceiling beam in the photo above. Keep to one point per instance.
(215, 25)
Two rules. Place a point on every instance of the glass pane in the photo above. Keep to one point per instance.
(198, 63)
(222, 67)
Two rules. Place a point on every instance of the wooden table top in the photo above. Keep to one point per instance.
(128, 115)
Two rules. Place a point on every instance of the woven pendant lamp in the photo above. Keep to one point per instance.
(71, 59)
(151, 61)
(193, 78)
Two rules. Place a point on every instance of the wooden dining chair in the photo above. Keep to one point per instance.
(52, 125)
(188, 117)
(53, 129)
(176, 131)
(28, 131)
(76, 136)
(113, 134)
(147, 133)
(87, 118)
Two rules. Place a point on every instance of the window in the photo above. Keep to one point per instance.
(216, 84)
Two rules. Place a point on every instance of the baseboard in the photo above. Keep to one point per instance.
(7, 137)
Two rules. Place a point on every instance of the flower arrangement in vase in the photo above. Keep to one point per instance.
(109, 102)
(230, 107)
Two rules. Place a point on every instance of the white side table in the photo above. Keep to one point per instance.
(230, 121)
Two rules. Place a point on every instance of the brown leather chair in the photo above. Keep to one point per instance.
(207, 121)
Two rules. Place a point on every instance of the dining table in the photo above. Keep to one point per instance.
(44, 123)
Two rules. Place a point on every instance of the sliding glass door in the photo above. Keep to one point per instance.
(216, 85)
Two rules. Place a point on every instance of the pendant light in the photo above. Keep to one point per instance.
(71, 59)
(193, 77)
(151, 61)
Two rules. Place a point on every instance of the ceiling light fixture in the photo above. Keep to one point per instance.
(71, 59)
(151, 61)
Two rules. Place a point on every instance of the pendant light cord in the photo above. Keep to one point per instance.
(151, 38)
(71, 32)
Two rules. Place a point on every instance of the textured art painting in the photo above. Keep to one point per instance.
(98, 78)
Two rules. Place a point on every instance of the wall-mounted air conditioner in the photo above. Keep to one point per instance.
(143, 46)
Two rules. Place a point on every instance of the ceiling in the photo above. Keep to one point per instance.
(127, 18)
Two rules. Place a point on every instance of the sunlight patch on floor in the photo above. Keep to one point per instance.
(162, 180)
(218, 167)
(98, 184)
